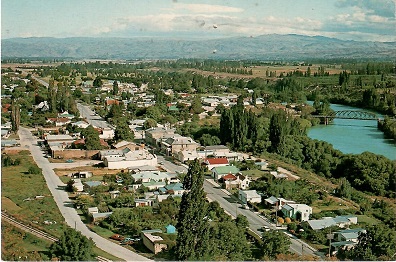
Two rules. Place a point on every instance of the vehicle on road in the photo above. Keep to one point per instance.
(245, 206)
(265, 228)
(69, 161)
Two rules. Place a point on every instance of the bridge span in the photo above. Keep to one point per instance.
(349, 114)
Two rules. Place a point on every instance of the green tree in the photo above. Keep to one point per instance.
(92, 140)
(278, 131)
(123, 132)
(115, 87)
(149, 123)
(15, 116)
(274, 243)
(73, 246)
(97, 82)
(192, 224)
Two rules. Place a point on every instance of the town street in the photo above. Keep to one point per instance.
(91, 117)
(64, 204)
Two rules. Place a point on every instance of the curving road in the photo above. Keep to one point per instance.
(64, 204)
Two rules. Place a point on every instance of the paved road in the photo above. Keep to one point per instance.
(35, 78)
(65, 206)
(91, 117)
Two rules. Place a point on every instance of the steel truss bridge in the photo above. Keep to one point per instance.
(350, 114)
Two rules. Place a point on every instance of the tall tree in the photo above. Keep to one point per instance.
(15, 116)
(192, 224)
(278, 131)
(274, 243)
(115, 87)
(123, 132)
(73, 246)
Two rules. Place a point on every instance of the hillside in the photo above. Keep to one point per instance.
(265, 47)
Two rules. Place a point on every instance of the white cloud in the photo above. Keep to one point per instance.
(206, 8)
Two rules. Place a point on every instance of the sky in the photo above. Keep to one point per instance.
(362, 20)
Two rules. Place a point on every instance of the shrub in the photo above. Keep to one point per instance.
(34, 170)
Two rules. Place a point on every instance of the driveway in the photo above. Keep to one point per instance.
(62, 200)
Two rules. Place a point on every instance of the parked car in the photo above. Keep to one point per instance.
(69, 161)
(117, 237)
(265, 228)
(245, 206)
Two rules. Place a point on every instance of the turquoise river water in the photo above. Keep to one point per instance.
(354, 136)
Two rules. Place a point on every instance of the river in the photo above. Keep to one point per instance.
(354, 136)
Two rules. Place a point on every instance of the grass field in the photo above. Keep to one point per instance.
(19, 190)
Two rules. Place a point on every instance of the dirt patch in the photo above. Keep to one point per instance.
(9, 205)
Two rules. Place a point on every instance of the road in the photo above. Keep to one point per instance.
(91, 117)
(64, 204)
(35, 78)
(232, 206)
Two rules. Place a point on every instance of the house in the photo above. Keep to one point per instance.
(349, 234)
(100, 216)
(346, 239)
(235, 181)
(93, 210)
(152, 185)
(147, 176)
(58, 121)
(153, 242)
(215, 162)
(106, 133)
(173, 145)
(170, 229)
(114, 193)
(183, 156)
(80, 124)
(277, 202)
(130, 145)
(43, 106)
(299, 212)
(128, 159)
(340, 221)
(82, 174)
(220, 171)
(173, 189)
(143, 202)
(249, 196)
(154, 134)
(66, 115)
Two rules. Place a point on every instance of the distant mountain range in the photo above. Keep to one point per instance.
(265, 47)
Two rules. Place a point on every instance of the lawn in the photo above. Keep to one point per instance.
(255, 173)
(19, 191)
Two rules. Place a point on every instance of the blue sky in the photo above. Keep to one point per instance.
(367, 20)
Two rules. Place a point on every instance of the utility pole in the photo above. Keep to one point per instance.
(330, 237)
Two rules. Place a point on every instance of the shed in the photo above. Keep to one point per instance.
(170, 229)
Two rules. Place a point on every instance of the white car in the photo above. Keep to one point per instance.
(265, 228)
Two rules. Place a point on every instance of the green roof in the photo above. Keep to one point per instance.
(226, 169)
(173, 108)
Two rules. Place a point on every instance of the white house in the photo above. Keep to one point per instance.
(249, 196)
(299, 212)
(130, 159)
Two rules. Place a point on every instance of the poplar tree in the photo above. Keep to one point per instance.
(192, 226)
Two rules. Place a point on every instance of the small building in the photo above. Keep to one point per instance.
(78, 185)
(170, 229)
(82, 174)
(93, 210)
(144, 202)
(299, 212)
(220, 171)
(173, 189)
(215, 162)
(249, 196)
(100, 216)
(153, 242)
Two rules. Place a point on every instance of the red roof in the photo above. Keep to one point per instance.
(229, 177)
(112, 102)
(217, 161)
